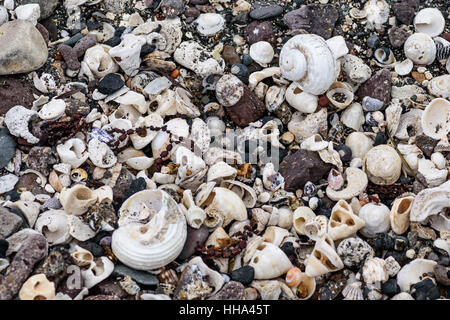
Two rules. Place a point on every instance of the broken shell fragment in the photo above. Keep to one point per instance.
(343, 222)
(436, 119)
(430, 201)
(413, 272)
(77, 199)
(302, 215)
(429, 21)
(356, 183)
(37, 287)
(99, 269)
(209, 23)
(226, 204)
(405, 67)
(269, 261)
(399, 215)
(301, 100)
(323, 258)
(374, 270)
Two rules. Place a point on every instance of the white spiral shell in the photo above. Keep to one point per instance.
(152, 231)
(307, 59)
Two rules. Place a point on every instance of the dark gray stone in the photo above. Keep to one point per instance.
(7, 147)
(9, 223)
(314, 18)
(265, 11)
(141, 277)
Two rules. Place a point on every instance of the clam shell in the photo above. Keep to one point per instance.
(440, 86)
(436, 118)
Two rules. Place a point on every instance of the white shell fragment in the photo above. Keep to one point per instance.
(429, 21)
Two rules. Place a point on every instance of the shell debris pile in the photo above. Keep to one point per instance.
(236, 150)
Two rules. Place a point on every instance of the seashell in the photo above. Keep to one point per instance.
(99, 269)
(429, 202)
(274, 97)
(17, 119)
(353, 116)
(82, 257)
(376, 218)
(429, 21)
(226, 204)
(436, 119)
(52, 110)
(293, 277)
(442, 244)
(338, 47)
(209, 24)
(100, 154)
(184, 103)
(190, 166)
(229, 90)
(399, 215)
(262, 53)
(405, 67)
(442, 48)
(193, 56)
(256, 77)
(371, 104)
(357, 14)
(440, 87)
(245, 192)
(438, 160)
(343, 222)
(410, 122)
(304, 127)
(314, 143)
(269, 261)
(98, 61)
(272, 180)
(306, 287)
(302, 216)
(413, 272)
(37, 287)
(402, 296)
(377, 13)
(221, 171)
(195, 216)
(53, 224)
(300, 100)
(384, 56)
(200, 134)
(359, 143)
(178, 127)
(166, 35)
(393, 115)
(142, 139)
(79, 230)
(433, 176)
(355, 68)
(140, 163)
(215, 279)
(275, 235)
(72, 152)
(29, 209)
(382, 165)
(316, 228)
(77, 199)
(267, 289)
(156, 87)
(126, 112)
(323, 258)
(152, 231)
(420, 48)
(374, 271)
(340, 97)
(214, 241)
(308, 60)
(353, 291)
(127, 53)
(134, 99)
(356, 184)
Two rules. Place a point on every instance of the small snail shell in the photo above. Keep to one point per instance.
(293, 277)
(307, 59)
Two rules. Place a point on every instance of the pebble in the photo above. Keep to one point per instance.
(8, 147)
(384, 241)
(397, 36)
(259, 31)
(47, 7)
(442, 274)
(44, 32)
(265, 11)
(194, 236)
(9, 222)
(54, 267)
(302, 166)
(426, 290)
(3, 15)
(172, 8)
(354, 251)
(373, 41)
(70, 57)
(3, 248)
(313, 18)
(140, 277)
(22, 54)
(84, 43)
(390, 287)
(111, 287)
(41, 159)
(230, 56)
(30, 253)
(378, 86)
(230, 291)
(28, 12)
(110, 84)
(7, 182)
(244, 275)
(404, 12)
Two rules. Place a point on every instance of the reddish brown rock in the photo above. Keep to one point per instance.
(302, 166)
(14, 91)
(249, 109)
(256, 31)
(378, 86)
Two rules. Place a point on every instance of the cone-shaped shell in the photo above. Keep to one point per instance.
(323, 259)
(399, 214)
(269, 262)
(343, 222)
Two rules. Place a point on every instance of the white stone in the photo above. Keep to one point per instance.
(29, 12)
(7, 182)
(3, 15)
